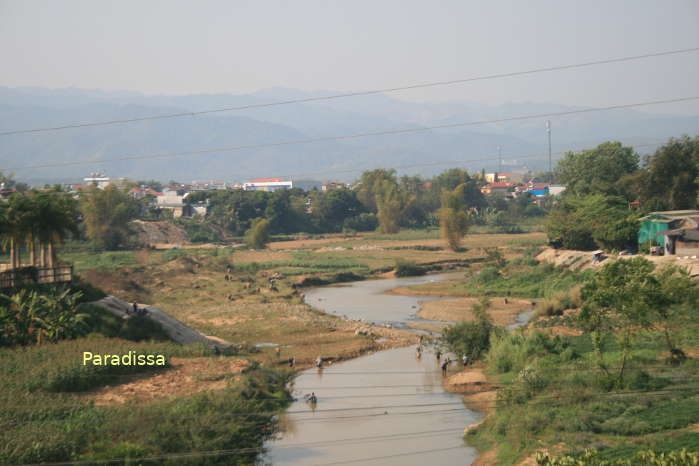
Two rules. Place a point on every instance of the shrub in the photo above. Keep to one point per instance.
(257, 236)
(362, 222)
(408, 269)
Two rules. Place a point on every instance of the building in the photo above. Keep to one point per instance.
(502, 188)
(673, 230)
(333, 185)
(683, 240)
(267, 184)
(513, 177)
(208, 185)
(172, 200)
(140, 193)
(97, 179)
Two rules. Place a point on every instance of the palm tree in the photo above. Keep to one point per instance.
(58, 219)
(17, 213)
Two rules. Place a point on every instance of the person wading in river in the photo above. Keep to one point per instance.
(445, 364)
(439, 355)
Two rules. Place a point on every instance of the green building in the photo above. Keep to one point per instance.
(657, 222)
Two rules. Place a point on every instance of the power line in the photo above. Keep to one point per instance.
(354, 136)
(259, 449)
(432, 164)
(320, 443)
(354, 94)
(693, 390)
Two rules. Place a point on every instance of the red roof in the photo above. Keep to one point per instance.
(264, 180)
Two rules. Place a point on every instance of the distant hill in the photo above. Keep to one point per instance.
(36, 107)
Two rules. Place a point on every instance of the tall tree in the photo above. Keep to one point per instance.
(57, 214)
(371, 185)
(453, 218)
(391, 203)
(107, 213)
(598, 170)
(669, 178)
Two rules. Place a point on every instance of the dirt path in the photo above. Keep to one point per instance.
(186, 376)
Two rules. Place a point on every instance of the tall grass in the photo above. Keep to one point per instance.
(43, 421)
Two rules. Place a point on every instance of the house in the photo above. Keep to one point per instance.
(513, 177)
(674, 230)
(683, 240)
(333, 185)
(267, 184)
(502, 188)
(173, 200)
(142, 192)
(208, 185)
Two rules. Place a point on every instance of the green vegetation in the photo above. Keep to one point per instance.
(453, 219)
(34, 219)
(593, 221)
(519, 278)
(624, 386)
(107, 213)
(595, 210)
(39, 400)
(650, 458)
(408, 269)
(257, 236)
(32, 317)
(471, 339)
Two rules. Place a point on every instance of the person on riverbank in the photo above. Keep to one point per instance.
(464, 360)
(445, 365)
(319, 362)
(292, 361)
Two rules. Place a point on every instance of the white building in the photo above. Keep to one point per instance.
(97, 179)
(267, 184)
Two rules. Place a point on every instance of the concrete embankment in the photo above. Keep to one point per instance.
(176, 330)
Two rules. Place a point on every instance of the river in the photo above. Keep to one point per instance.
(387, 408)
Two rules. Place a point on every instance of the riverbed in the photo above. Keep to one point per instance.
(388, 408)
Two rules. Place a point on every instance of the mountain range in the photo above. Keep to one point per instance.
(523, 143)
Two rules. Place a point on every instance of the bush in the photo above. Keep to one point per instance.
(472, 339)
(408, 269)
(488, 274)
(257, 236)
(362, 222)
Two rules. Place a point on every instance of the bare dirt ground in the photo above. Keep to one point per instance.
(460, 310)
(186, 376)
(580, 260)
(306, 243)
(479, 395)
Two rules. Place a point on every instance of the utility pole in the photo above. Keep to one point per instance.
(548, 132)
(499, 160)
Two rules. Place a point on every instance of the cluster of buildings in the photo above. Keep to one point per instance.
(176, 197)
(671, 232)
(511, 185)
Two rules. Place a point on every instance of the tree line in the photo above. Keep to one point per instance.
(609, 187)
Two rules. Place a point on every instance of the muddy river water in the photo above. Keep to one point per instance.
(388, 408)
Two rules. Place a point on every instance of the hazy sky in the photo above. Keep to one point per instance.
(236, 46)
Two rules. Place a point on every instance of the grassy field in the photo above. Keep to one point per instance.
(564, 403)
(42, 394)
(551, 394)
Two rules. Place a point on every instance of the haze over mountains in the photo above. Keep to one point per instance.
(22, 108)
